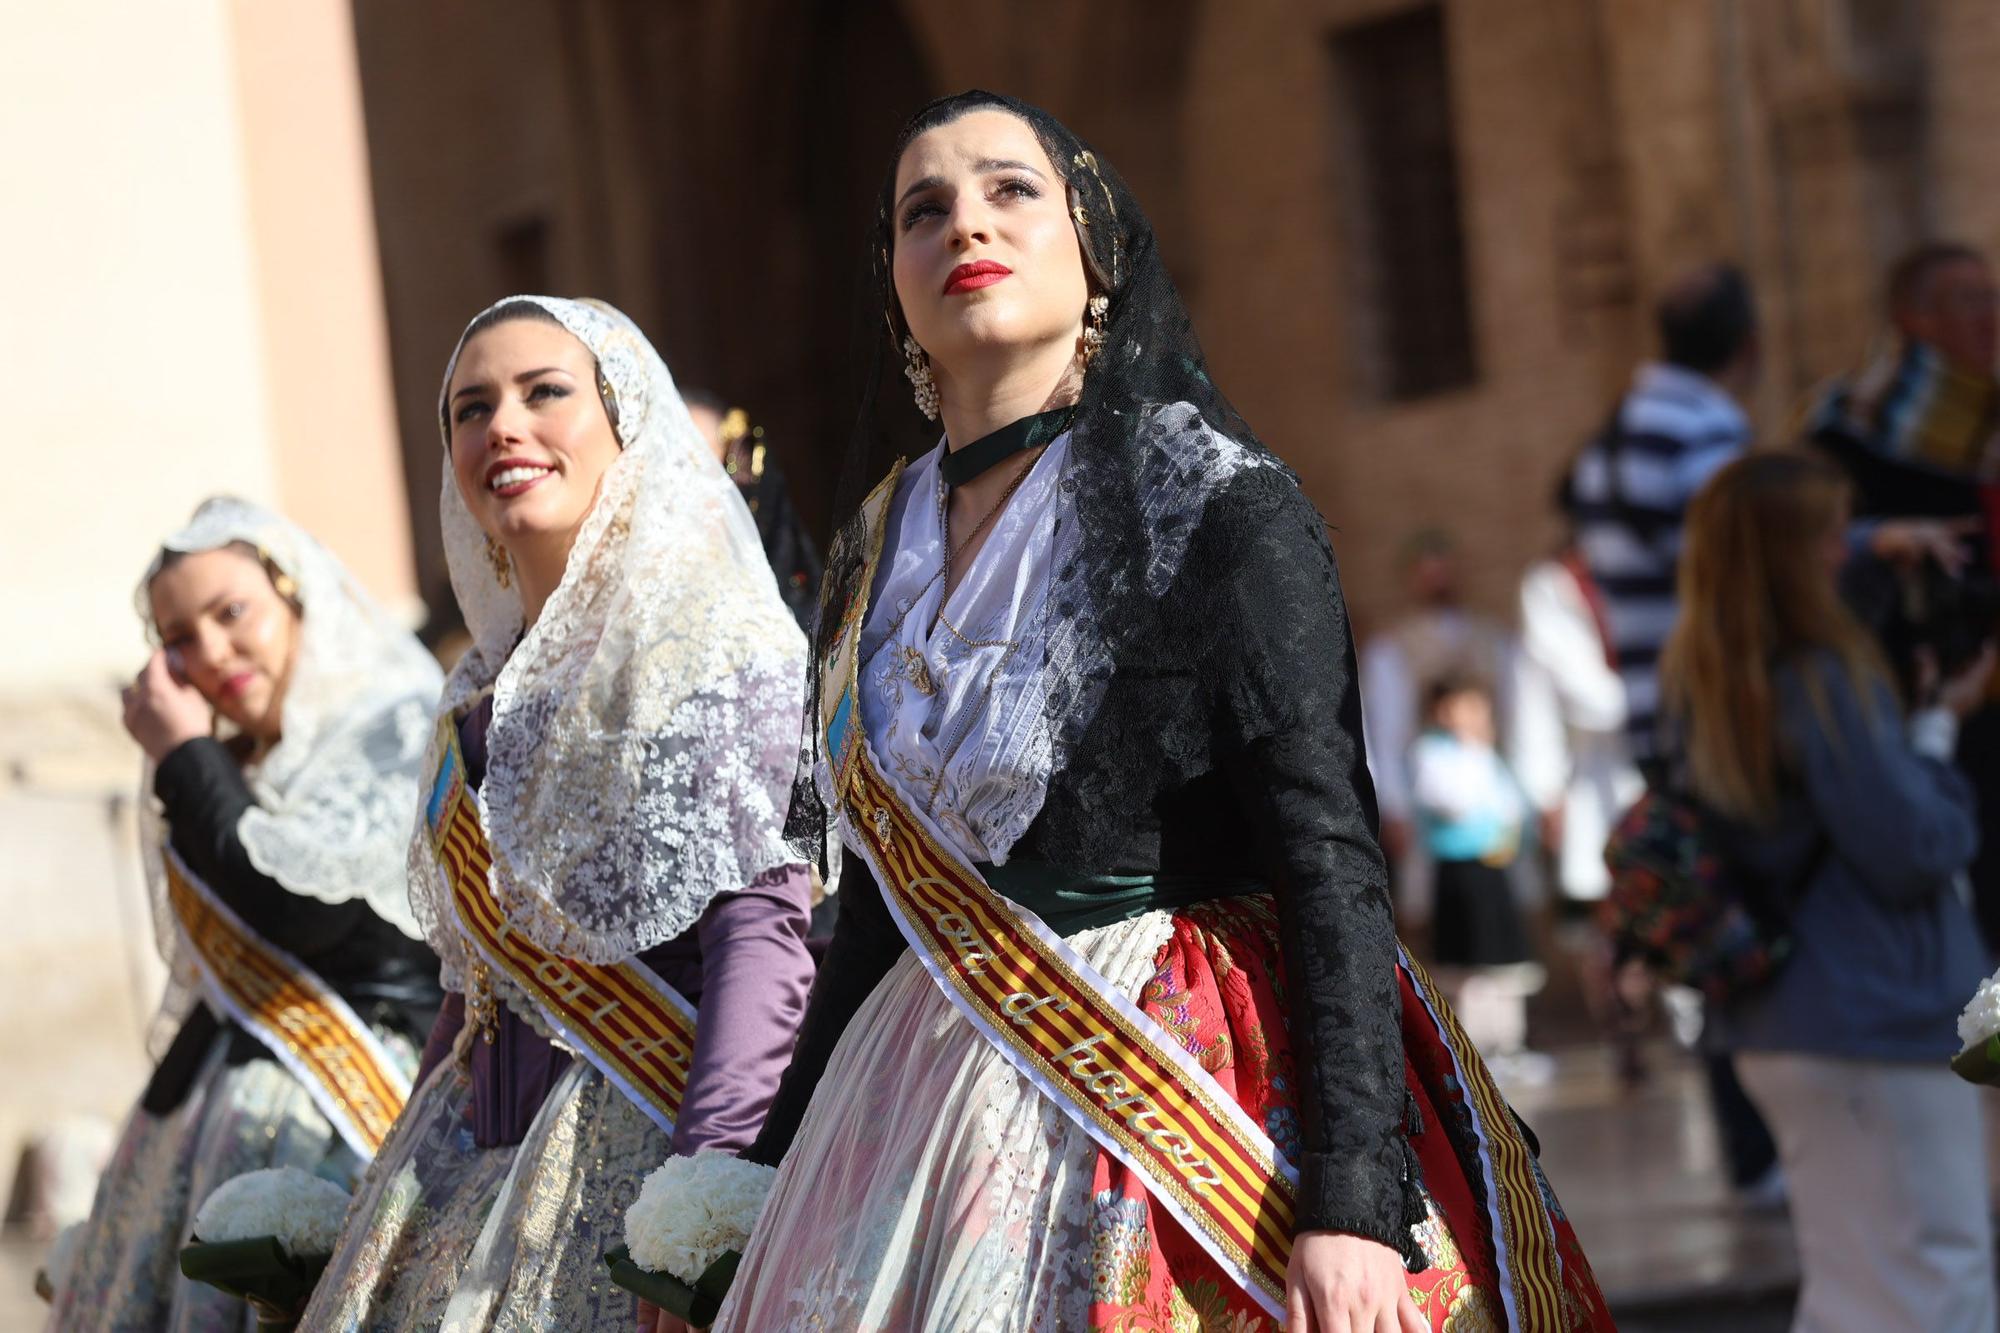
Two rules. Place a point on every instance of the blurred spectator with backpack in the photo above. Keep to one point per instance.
(1628, 493)
(1849, 818)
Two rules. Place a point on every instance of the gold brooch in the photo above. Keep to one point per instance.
(482, 1010)
(918, 671)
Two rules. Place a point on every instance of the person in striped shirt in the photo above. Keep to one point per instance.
(1629, 490)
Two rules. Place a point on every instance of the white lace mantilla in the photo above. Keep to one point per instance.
(333, 795)
(646, 728)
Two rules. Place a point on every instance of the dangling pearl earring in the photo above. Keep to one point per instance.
(918, 372)
(1099, 307)
(503, 565)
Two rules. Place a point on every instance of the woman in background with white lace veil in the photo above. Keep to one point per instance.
(283, 715)
(601, 844)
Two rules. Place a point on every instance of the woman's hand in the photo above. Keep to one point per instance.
(1339, 1283)
(652, 1319)
(1908, 542)
(1967, 690)
(162, 711)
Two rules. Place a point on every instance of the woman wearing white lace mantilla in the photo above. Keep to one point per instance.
(600, 848)
(283, 716)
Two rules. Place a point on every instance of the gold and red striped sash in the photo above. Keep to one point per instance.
(305, 1025)
(623, 1017)
(1104, 1062)
(1524, 1239)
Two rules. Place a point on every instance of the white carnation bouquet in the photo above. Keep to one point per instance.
(1978, 1060)
(1979, 1035)
(685, 1232)
(296, 1208)
(266, 1236)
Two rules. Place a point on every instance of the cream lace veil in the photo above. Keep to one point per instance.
(333, 796)
(646, 727)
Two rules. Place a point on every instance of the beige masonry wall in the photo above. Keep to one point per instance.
(330, 408)
(133, 323)
(192, 305)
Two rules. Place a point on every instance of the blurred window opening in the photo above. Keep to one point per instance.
(1398, 178)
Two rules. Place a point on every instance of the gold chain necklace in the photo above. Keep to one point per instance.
(944, 521)
(912, 663)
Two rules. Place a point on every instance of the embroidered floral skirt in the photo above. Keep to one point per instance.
(235, 1118)
(446, 1235)
(933, 1188)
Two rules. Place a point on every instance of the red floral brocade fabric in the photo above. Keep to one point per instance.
(1219, 990)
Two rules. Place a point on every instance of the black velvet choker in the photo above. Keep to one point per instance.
(959, 466)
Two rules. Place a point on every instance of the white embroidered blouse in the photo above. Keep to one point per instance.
(952, 691)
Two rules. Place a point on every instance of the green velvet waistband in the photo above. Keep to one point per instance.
(1070, 902)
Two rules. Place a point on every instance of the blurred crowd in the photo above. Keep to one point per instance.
(1791, 638)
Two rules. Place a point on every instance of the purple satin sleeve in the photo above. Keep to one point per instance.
(511, 1075)
(745, 967)
(437, 1046)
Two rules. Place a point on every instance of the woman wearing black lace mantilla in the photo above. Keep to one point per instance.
(1114, 1031)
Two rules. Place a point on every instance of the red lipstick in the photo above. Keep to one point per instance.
(542, 472)
(971, 277)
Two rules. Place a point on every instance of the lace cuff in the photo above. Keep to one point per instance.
(1343, 1191)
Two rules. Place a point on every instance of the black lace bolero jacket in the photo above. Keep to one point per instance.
(1244, 757)
(389, 978)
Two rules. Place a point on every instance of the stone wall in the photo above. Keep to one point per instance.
(710, 167)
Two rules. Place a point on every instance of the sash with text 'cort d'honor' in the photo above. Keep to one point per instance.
(622, 1017)
(1107, 1065)
(305, 1025)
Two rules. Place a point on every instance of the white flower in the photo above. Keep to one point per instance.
(61, 1260)
(693, 1209)
(1981, 1018)
(301, 1210)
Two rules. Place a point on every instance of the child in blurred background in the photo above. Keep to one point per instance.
(1470, 815)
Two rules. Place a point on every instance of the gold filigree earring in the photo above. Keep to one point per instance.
(1099, 309)
(282, 583)
(503, 564)
(921, 381)
(609, 396)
